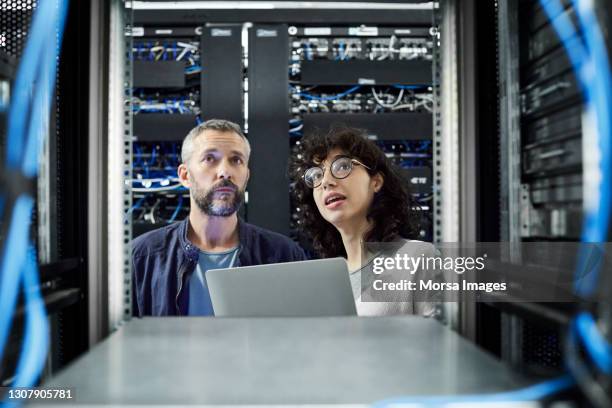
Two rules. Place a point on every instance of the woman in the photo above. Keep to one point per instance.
(348, 195)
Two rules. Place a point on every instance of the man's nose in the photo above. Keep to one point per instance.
(224, 171)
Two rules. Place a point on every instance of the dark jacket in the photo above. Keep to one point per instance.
(164, 259)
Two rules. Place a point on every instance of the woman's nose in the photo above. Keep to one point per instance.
(328, 179)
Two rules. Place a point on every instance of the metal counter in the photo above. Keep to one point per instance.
(231, 361)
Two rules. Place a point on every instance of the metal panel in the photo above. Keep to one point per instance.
(382, 126)
(418, 179)
(268, 127)
(97, 174)
(329, 72)
(119, 299)
(190, 17)
(400, 13)
(510, 136)
(8, 66)
(446, 143)
(221, 61)
(335, 31)
(446, 159)
(157, 127)
(159, 74)
(127, 78)
(15, 18)
(468, 160)
(288, 362)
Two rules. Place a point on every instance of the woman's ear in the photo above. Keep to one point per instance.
(378, 180)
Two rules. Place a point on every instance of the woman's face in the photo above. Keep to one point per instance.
(342, 201)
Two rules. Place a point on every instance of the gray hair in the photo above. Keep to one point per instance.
(212, 124)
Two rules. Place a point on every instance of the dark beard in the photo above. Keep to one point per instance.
(207, 205)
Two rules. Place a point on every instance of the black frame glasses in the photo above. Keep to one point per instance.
(313, 177)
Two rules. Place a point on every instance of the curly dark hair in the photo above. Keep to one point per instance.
(392, 210)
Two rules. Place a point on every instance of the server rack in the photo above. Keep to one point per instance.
(7, 72)
(166, 104)
(379, 79)
(537, 111)
(268, 127)
(59, 223)
(255, 94)
(547, 180)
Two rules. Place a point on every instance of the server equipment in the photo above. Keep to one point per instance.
(166, 105)
(545, 150)
(551, 131)
(379, 79)
(58, 232)
(278, 81)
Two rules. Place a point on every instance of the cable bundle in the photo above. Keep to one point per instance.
(27, 124)
(590, 62)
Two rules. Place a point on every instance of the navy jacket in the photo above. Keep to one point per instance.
(164, 259)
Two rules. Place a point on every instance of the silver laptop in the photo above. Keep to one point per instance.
(309, 288)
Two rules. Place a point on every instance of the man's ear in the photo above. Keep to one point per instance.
(183, 175)
(378, 181)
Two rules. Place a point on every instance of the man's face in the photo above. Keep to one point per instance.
(217, 172)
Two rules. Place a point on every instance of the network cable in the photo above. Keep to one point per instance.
(326, 98)
(531, 393)
(592, 69)
(177, 210)
(591, 64)
(18, 263)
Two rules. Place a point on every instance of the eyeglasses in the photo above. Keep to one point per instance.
(340, 168)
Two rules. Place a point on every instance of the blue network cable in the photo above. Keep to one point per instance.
(591, 65)
(36, 339)
(410, 86)
(16, 245)
(23, 84)
(600, 99)
(151, 55)
(598, 347)
(308, 51)
(341, 53)
(327, 98)
(531, 393)
(136, 206)
(138, 162)
(193, 69)
(18, 263)
(593, 72)
(178, 209)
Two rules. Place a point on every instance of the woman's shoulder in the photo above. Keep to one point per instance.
(414, 247)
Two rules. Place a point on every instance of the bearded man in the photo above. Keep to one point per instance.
(169, 263)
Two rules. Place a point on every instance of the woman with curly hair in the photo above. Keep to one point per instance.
(349, 194)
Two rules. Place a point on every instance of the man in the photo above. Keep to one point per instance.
(169, 263)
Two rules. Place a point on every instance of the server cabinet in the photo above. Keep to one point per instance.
(268, 127)
(222, 74)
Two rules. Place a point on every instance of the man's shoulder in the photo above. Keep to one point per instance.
(155, 241)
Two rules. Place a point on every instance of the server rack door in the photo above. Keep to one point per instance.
(268, 127)
(221, 61)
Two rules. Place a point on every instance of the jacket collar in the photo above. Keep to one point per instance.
(193, 252)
